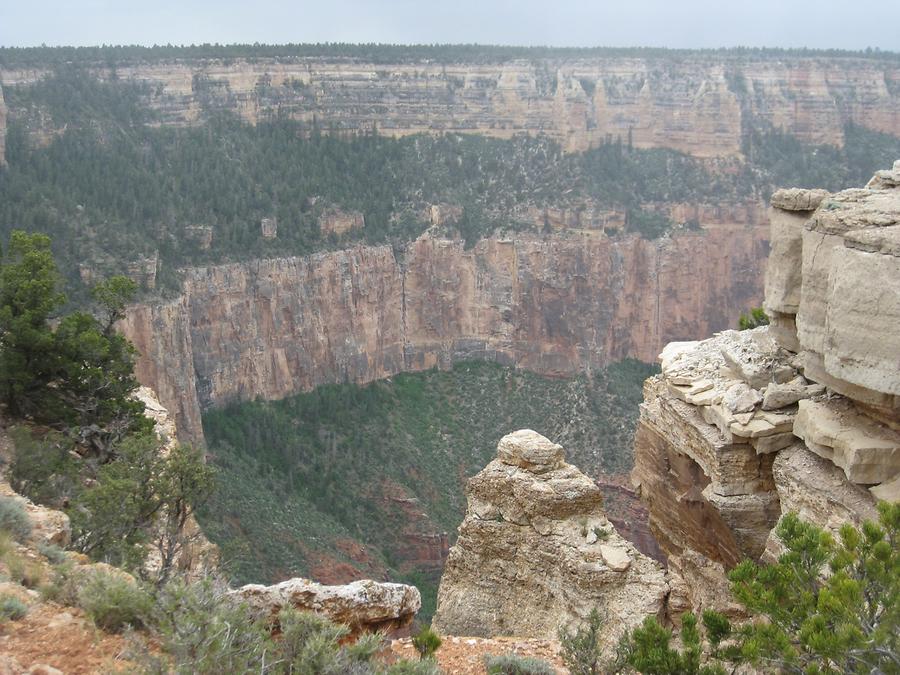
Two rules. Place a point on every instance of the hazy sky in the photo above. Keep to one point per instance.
(669, 23)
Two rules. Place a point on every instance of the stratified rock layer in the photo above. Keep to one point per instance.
(363, 606)
(555, 305)
(536, 552)
(800, 416)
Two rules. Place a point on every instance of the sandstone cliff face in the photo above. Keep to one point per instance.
(161, 333)
(695, 103)
(799, 416)
(556, 305)
(536, 552)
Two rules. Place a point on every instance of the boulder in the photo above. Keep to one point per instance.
(363, 606)
(782, 395)
(740, 398)
(529, 450)
(536, 553)
(888, 491)
(887, 178)
(798, 199)
(868, 452)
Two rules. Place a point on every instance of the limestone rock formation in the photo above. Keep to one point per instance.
(695, 103)
(363, 606)
(536, 552)
(799, 416)
(554, 305)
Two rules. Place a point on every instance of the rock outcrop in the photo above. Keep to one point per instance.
(536, 552)
(363, 606)
(337, 221)
(556, 305)
(799, 416)
(695, 103)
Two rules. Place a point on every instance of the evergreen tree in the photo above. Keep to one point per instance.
(825, 606)
(78, 378)
(29, 294)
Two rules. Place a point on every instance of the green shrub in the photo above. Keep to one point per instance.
(310, 643)
(825, 606)
(14, 519)
(141, 497)
(44, 468)
(22, 570)
(62, 587)
(205, 631)
(513, 664)
(755, 318)
(420, 667)
(581, 650)
(648, 650)
(52, 552)
(426, 642)
(11, 608)
(114, 602)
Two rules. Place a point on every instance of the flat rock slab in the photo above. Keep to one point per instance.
(868, 452)
(363, 606)
(798, 199)
(529, 450)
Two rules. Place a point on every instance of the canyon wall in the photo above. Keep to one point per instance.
(698, 104)
(799, 416)
(557, 305)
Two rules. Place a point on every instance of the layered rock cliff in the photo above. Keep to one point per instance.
(536, 553)
(800, 416)
(555, 305)
(698, 104)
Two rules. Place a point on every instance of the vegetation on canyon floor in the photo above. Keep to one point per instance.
(111, 186)
(304, 480)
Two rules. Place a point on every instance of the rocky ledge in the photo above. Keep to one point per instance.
(363, 606)
(536, 552)
(800, 416)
